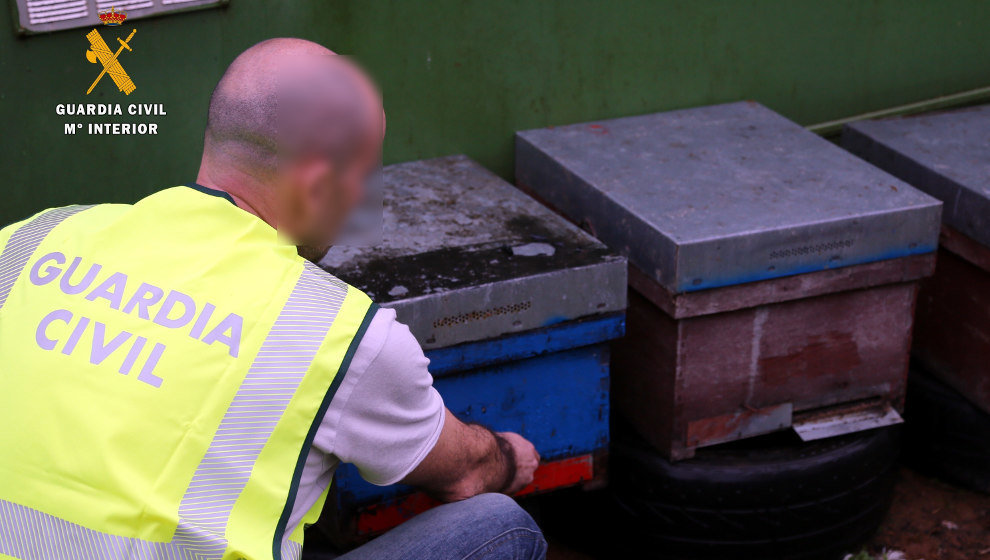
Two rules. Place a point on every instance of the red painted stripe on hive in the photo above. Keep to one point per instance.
(379, 518)
(557, 474)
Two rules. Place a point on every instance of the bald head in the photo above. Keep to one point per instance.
(284, 94)
(293, 130)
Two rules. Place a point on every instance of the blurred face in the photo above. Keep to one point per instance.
(331, 127)
(322, 194)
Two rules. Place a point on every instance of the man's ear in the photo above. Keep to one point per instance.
(300, 188)
(314, 174)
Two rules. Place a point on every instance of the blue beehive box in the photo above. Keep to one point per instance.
(513, 305)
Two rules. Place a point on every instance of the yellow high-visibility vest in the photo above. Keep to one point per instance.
(164, 367)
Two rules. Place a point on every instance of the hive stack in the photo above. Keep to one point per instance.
(773, 276)
(947, 155)
(514, 307)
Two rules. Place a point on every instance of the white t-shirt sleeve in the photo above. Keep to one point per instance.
(386, 416)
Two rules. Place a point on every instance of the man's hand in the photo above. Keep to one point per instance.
(469, 460)
(526, 461)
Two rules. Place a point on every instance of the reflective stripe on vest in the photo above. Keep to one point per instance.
(24, 241)
(262, 398)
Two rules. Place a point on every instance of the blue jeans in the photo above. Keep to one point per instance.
(485, 527)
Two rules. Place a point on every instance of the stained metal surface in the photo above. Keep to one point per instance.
(843, 420)
(723, 195)
(465, 256)
(944, 154)
(495, 68)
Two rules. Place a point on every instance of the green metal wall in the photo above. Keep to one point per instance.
(461, 76)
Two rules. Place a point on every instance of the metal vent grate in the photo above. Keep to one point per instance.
(123, 5)
(481, 315)
(817, 249)
(39, 16)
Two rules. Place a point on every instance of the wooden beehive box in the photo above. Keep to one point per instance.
(773, 275)
(947, 155)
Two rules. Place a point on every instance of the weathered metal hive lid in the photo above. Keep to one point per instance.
(947, 155)
(465, 256)
(722, 195)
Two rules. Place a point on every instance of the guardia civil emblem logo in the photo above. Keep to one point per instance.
(100, 52)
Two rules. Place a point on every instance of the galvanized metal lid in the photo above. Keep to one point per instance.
(947, 155)
(723, 195)
(466, 256)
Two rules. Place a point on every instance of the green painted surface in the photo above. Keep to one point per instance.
(462, 76)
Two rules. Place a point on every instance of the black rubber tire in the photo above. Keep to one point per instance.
(764, 498)
(946, 435)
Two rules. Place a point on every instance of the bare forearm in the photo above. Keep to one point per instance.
(467, 460)
(483, 465)
(493, 461)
